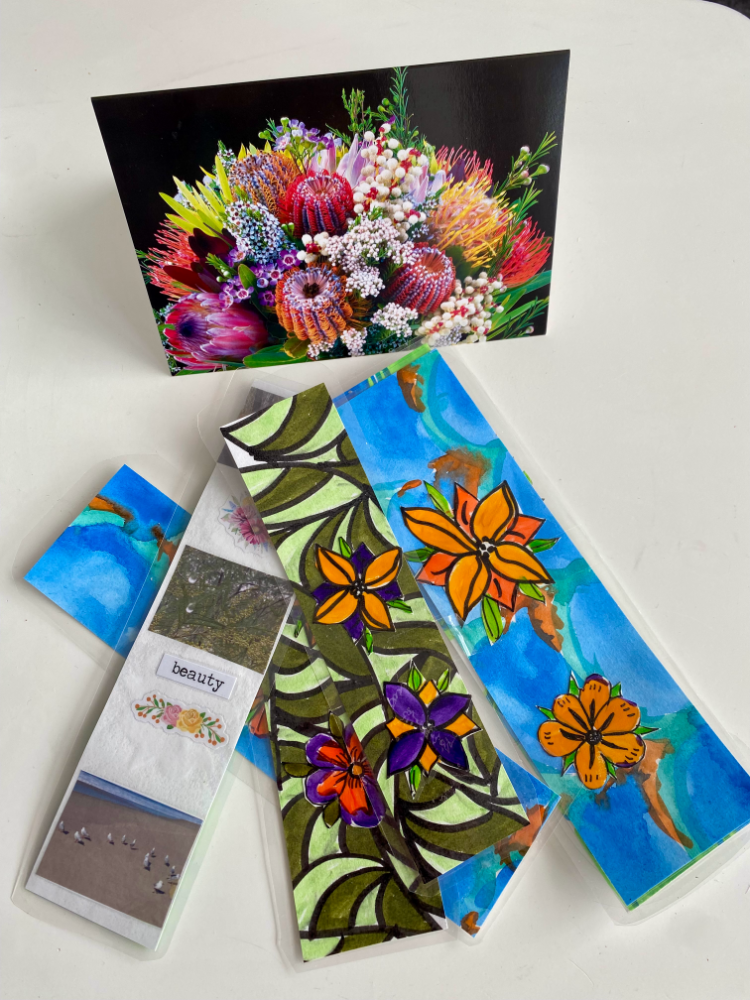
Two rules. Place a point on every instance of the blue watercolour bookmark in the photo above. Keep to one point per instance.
(648, 785)
(472, 890)
(106, 568)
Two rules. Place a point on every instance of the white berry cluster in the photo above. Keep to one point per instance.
(395, 319)
(313, 350)
(354, 341)
(368, 242)
(466, 315)
(390, 173)
(314, 246)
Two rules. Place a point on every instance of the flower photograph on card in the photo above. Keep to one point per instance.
(343, 215)
(227, 609)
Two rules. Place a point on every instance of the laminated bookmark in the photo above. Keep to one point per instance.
(650, 786)
(121, 840)
(351, 874)
(434, 765)
(353, 886)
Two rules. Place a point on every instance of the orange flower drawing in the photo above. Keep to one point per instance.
(479, 548)
(596, 728)
(349, 595)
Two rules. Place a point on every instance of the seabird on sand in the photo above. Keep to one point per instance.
(147, 862)
(109, 838)
(79, 839)
(61, 827)
(132, 844)
(85, 833)
(166, 860)
(153, 852)
(124, 839)
(158, 886)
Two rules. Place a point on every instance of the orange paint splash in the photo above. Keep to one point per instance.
(410, 382)
(469, 923)
(460, 465)
(411, 485)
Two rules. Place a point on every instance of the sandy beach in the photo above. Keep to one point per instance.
(114, 874)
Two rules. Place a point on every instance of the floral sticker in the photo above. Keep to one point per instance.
(359, 589)
(479, 550)
(184, 721)
(242, 520)
(595, 728)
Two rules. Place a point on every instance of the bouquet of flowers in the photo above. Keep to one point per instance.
(331, 245)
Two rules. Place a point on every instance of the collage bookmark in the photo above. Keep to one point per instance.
(124, 833)
(649, 787)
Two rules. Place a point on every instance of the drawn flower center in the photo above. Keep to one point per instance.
(593, 736)
(356, 770)
(357, 589)
(486, 548)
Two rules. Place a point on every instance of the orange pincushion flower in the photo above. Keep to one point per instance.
(461, 164)
(467, 215)
(312, 304)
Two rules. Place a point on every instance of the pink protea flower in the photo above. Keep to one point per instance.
(424, 283)
(203, 335)
(319, 203)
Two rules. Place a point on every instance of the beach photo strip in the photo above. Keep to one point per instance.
(121, 854)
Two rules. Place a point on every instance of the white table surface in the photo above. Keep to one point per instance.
(635, 405)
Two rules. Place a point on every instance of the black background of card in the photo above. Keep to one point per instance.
(494, 106)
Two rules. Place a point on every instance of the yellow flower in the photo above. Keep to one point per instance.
(189, 720)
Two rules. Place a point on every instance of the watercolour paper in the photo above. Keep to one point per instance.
(107, 566)
(153, 764)
(418, 204)
(437, 774)
(651, 788)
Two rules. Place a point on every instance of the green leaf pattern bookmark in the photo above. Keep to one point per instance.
(351, 874)
(434, 770)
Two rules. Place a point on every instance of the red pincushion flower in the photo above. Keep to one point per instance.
(425, 283)
(319, 203)
(528, 256)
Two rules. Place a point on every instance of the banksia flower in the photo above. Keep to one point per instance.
(264, 177)
(312, 304)
(423, 284)
(319, 203)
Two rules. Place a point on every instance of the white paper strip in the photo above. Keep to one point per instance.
(141, 793)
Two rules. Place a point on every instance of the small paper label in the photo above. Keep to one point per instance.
(196, 676)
